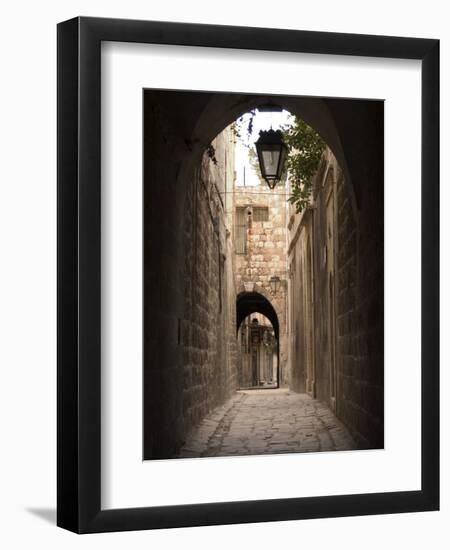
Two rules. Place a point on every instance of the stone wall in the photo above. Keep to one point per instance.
(209, 337)
(265, 254)
(189, 293)
(361, 312)
(336, 295)
(163, 292)
(301, 320)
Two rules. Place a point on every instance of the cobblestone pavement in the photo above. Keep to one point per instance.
(268, 421)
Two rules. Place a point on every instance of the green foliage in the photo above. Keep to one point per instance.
(211, 152)
(305, 148)
(242, 128)
(305, 151)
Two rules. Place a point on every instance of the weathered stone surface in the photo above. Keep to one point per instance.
(190, 335)
(265, 257)
(210, 350)
(336, 301)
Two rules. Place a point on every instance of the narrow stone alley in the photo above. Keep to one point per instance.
(268, 421)
(263, 282)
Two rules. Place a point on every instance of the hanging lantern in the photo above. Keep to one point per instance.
(274, 283)
(272, 154)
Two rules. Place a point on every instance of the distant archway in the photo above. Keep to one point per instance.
(254, 302)
(251, 302)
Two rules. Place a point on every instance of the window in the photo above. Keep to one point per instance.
(260, 214)
(241, 230)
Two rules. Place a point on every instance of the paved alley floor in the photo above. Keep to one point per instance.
(268, 421)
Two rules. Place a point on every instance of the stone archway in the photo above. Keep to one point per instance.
(348, 127)
(254, 299)
(178, 127)
(253, 288)
(249, 302)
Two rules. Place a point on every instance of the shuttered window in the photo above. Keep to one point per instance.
(241, 231)
(260, 214)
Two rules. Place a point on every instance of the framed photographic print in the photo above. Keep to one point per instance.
(248, 258)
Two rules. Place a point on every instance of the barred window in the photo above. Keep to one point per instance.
(241, 230)
(260, 214)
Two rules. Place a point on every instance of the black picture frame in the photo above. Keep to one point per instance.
(79, 281)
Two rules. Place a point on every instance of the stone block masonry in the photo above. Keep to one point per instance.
(265, 254)
(209, 347)
(189, 291)
(336, 301)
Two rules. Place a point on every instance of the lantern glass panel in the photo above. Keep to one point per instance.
(271, 159)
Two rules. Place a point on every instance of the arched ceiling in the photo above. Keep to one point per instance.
(351, 128)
